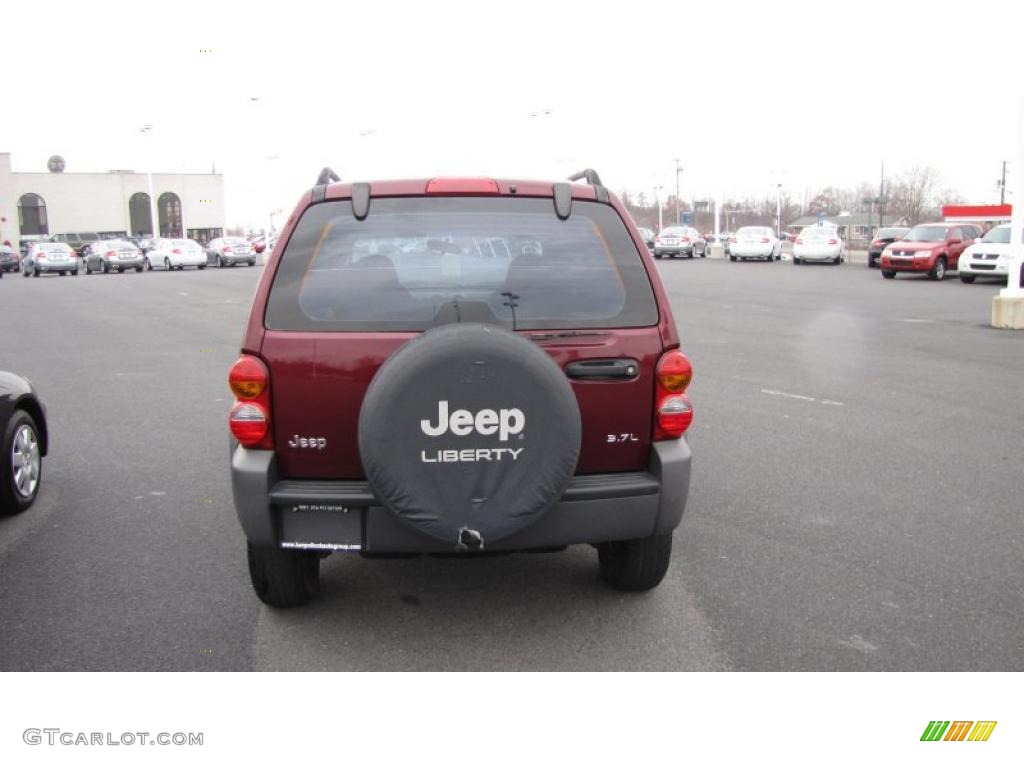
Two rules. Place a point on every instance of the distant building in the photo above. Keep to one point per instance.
(113, 203)
(852, 226)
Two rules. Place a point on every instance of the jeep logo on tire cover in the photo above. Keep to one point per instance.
(507, 421)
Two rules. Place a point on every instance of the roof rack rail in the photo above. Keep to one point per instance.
(326, 176)
(590, 175)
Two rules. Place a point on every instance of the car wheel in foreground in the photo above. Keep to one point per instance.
(635, 565)
(283, 578)
(220, 263)
(22, 464)
(938, 272)
(167, 264)
(888, 274)
(966, 278)
(201, 266)
(657, 255)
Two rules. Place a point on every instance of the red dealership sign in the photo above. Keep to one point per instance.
(976, 212)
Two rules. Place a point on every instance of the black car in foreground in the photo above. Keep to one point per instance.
(24, 441)
(882, 238)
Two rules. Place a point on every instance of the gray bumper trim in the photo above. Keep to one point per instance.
(594, 508)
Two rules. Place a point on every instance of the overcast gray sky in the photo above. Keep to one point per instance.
(806, 93)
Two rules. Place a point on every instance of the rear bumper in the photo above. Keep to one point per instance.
(344, 514)
(673, 250)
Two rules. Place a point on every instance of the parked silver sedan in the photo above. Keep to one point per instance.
(112, 255)
(49, 257)
(228, 251)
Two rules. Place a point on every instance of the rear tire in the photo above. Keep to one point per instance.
(167, 264)
(252, 263)
(888, 274)
(732, 258)
(283, 578)
(967, 278)
(138, 269)
(636, 565)
(201, 266)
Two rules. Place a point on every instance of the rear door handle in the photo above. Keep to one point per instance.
(603, 370)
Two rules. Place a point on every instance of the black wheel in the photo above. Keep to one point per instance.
(252, 263)
(201, 266)
(657, 255)
(167, 264)
(283, 578)
(797, 262)
(36, 273)
(62, 273)
(149, 267)
(21, 463)
(704, 252)
(635, 565)
(872, 262)
(888, 274)
(106, 268)
(967, 278)
(220, 262)
(120, 270)
(732, 258)
(181, 267)
(938, 272)
(138, 269)
(24, 274)
(74, 273)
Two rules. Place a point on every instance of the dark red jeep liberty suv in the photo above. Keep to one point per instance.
(459, 366)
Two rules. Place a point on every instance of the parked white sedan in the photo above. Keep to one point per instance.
(818, 244)
(989, 257)
(755, 243)
(168, 253)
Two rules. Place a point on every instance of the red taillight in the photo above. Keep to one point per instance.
(227, 249)
(250, 417)
(176, 250)
(248, 378)
(675, 415)
(673, 411)
(249, 424)
(111, 254)
(833, 241)
(40, 255)
(684, 239)
(462, 187)
(765, 240)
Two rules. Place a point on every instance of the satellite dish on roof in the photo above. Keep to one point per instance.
(55, 164)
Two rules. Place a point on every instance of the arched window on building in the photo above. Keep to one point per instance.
(139, 215)
(32, 215)
(169, 211)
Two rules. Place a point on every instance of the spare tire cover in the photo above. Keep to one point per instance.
(469, 433)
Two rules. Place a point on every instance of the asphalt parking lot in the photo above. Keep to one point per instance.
(855, 502)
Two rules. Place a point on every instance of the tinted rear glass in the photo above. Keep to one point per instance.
(413, 261)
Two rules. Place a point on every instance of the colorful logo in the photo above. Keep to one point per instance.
(958, 730)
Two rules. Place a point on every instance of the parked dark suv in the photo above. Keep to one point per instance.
(459, 366)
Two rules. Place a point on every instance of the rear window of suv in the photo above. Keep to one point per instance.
(510, 261)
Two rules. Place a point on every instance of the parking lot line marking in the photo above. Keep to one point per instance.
(805, 398)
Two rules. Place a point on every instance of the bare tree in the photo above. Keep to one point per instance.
(913, 193)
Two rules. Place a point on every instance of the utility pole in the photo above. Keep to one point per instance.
(778, 210)
(657, 198)
(881, 198)
(1002, 186)
(678, 171)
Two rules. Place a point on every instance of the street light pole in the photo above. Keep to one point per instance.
(678, 171)
(153, 224)
(778, 210)
(657, 198)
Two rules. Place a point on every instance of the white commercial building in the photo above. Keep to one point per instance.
(112, 204)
